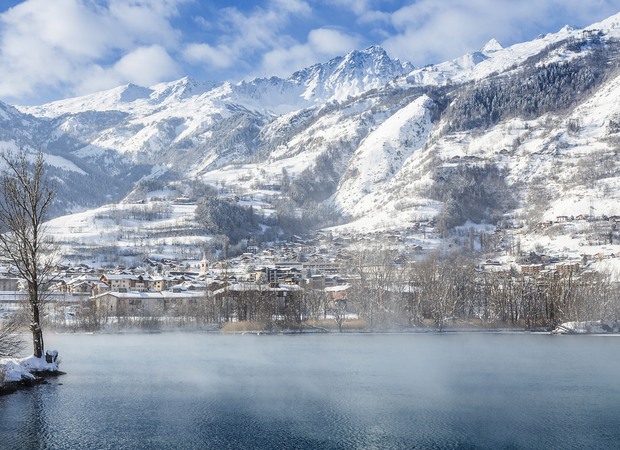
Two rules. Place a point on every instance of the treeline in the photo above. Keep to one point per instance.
(452, 290)
(315, 183)
(223, 217)
(138, 211)
(475, 193)
(533, 91)
(299, 211)
(238, 223)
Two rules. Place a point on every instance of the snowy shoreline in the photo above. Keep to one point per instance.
(585, 327)
(588, 327)
(20, 373)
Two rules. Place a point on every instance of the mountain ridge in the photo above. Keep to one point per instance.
(381, 142)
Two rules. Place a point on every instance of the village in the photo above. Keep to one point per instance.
(330, 280)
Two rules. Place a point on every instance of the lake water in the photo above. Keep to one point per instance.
(349, 391)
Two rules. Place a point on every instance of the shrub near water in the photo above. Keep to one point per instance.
(330, 324)
(327, 324)
(235, 327)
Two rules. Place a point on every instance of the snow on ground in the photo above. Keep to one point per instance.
(392, 165)
(63, 163)
(122, 228)
(382, 154)
(17, 369)
(610, 266)
(588, 327)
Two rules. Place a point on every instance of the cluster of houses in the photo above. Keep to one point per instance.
(278, 273)
(180, 288)
(614, 219)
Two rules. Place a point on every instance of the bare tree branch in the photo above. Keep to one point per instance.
(10, 340)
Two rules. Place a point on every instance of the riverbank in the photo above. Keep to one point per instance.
(21, 373)
(352, 326)
(588, 327)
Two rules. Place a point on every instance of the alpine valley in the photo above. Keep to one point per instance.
(503, 151)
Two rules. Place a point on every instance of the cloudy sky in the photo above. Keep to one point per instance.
(51, 49)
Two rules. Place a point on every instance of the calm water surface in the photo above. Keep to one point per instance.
(331, 391)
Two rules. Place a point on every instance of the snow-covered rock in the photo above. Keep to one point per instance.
(18, 369)
(588, 327)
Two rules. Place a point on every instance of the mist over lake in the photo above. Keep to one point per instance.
(198, 390)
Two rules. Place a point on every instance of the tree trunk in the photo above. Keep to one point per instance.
(37, 332)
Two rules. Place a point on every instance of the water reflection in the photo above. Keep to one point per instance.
(36, 428)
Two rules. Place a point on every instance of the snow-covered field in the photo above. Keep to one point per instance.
(94, 235)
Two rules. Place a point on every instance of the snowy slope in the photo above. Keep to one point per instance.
(385, 130)
(381, 155)
(172, 124)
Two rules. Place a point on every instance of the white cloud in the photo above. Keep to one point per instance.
(65, 25)
(282, 62)
(325, 41)
(140, 22)
(431, 31)
(244, 34)
(358, 7)
(48, 45)
(366, 11)
(219, 57)
(322, 44)
(146, 65)
(297, 7)
(143, 66)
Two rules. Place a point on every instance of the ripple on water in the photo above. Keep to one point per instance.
(325, 392)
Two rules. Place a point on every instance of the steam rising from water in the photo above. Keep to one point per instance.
(322, 391)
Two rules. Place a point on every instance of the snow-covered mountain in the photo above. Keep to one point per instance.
(528, 132)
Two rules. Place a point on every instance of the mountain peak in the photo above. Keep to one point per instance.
(491, 46)
(182, 88)
(352, 74)
(567, 29)
(132, 92)
(373, 50)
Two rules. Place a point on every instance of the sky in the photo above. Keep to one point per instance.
(54, 49)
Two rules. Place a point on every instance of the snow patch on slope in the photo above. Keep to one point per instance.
(63, 163)
(382, 154)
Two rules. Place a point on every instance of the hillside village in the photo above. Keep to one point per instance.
(329, 278)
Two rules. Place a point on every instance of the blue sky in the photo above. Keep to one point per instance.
(52, 49)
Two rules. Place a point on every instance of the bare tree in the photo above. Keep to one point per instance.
(10, 341)
(26, 198)
(377, 276)
(338, 309)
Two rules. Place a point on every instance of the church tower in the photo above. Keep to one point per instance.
(204, 264)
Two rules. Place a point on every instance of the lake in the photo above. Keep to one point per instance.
(322, 391)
